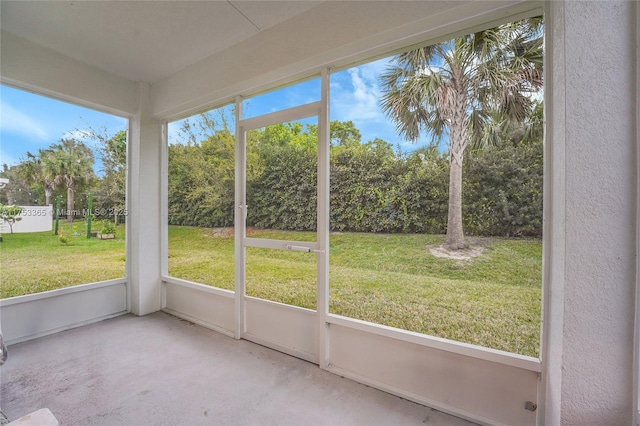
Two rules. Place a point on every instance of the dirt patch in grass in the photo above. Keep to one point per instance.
(221, 232)
(462, 254)
(477, 246)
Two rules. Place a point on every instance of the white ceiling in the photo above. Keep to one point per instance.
(143, 40)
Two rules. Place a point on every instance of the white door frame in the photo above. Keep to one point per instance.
(320, 247)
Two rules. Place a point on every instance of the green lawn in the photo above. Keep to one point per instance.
(492, 300)
(36, 262)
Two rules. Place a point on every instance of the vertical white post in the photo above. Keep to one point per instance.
(240, 222)
(143, 240)
(636, 359)
(553, 247)
(164, 209)
(127, 225)
(323, 223)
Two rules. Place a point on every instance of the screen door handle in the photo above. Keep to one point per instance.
(302, 248)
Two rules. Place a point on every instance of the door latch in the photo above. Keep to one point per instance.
(302, 248)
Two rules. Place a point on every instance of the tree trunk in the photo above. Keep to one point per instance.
(49, 186)
(457, 144)
(70, 204)
(455, 234)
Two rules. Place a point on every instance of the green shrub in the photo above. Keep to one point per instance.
(373, 188)
(108, 227)
(63, 238)
(502, 191)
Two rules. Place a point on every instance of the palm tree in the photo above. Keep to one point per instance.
(73, 163)
(39, 169)
(456, 89)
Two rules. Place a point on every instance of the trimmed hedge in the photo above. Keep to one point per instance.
(373, 188)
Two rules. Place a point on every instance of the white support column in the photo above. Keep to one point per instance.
(144, 221)
(240, 222)
(323, 224)
(636, 367)
(590, 297)
(549, 392)
(164, 211)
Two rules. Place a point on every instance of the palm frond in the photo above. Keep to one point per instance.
(490, 74)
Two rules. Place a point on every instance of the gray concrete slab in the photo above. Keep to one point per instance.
(161, 370)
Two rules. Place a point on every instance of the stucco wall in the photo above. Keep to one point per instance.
(598, 103)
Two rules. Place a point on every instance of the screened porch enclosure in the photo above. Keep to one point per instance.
(158, 62)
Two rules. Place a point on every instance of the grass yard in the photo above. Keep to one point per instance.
(492, 300)
(37, 262)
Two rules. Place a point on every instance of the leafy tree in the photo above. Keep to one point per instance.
(18, 190)
(283, 134)
(200, 127)
(73, 163)
(189, 186)
(10, 215)
(344, 133)
(374, 188)
(504, 181)
(201, 172)
(454, 89)
(110, 193)
(39, 169)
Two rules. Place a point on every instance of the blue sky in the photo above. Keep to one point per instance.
(354, 96)
(29, 122)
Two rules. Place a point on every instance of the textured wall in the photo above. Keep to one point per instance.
(600, 214)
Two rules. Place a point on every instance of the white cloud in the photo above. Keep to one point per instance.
(373, 70)
(365, 94)
(15, 121)
(355, 96)
(361, 102)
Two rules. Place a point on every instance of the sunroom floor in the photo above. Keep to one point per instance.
(159, 369)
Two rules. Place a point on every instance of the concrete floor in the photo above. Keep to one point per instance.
(161, 370)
